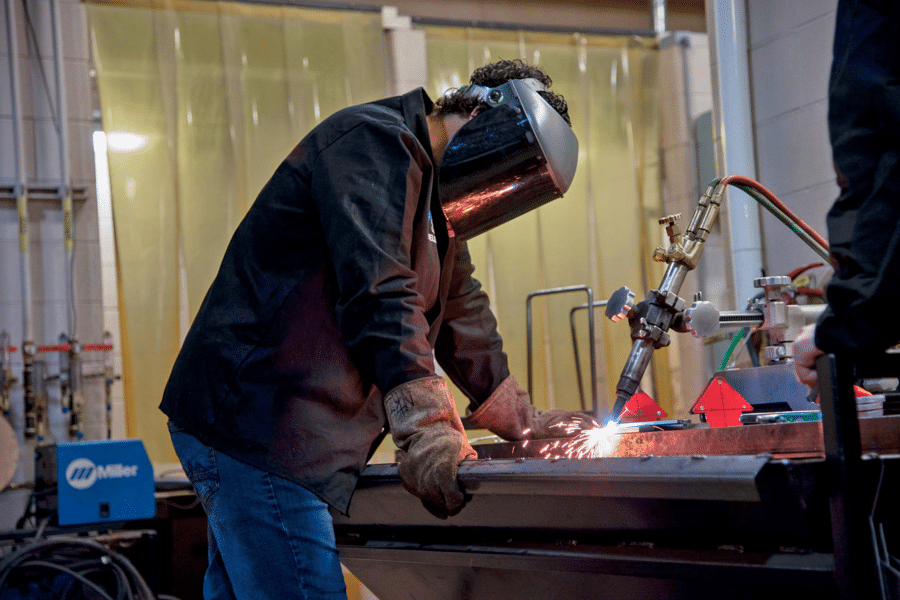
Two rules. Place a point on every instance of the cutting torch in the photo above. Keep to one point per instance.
(663, 308)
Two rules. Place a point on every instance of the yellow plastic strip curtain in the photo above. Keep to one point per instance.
(200, 103)
(598, 234)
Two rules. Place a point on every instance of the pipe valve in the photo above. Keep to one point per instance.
(672, 229)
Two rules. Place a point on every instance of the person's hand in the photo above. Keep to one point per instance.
(508, 413)
(805, 355)
(425, 426)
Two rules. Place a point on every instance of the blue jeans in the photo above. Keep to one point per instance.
(269, 538)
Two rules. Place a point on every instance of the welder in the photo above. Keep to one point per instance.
(346, 280)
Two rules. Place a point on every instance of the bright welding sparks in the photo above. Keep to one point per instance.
(590, 443)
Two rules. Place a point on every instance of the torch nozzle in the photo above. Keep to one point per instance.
(616, 412)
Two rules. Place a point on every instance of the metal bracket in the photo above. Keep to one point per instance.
(591, 339)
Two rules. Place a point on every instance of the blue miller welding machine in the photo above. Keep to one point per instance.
(78, 483)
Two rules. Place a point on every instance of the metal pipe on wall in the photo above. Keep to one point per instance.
(21, 194)
(73, 404)
(65, 186)
(733, 135)
(6, 376)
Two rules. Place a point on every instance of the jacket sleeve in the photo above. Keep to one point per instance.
(864, 222)
(468, 346)
(370, 186)
(865, 289)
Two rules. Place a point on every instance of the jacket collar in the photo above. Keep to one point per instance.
(414, 106)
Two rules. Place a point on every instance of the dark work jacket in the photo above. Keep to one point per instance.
(864, 223)
(335, 288)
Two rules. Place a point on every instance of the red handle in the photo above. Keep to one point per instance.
(67, 347)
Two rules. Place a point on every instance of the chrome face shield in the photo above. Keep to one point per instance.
(506, 161)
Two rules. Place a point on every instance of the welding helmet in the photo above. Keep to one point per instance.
(512, 158)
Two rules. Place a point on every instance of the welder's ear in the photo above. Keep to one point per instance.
(475, 112)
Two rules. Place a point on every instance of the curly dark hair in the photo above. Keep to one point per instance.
(459, 101)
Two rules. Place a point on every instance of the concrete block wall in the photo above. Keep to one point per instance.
(790, 59)
(34, 55)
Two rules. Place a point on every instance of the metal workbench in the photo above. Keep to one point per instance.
(758, 511)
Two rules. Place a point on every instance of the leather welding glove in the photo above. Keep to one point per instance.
(425, 426)
(509, 413)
